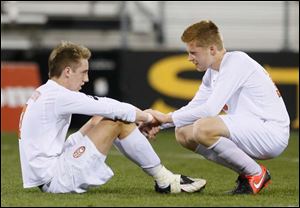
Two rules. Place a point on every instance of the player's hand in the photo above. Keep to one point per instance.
(153, 132)
(149, 131)
(149, 128)
(159, 116)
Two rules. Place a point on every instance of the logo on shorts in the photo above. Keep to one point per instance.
(225, 108)
(77, 153)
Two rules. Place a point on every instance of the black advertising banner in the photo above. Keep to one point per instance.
(166, 80)
(162, 80)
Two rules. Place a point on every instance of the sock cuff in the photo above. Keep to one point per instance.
(134, 134)
(216, 143)
(152, 171)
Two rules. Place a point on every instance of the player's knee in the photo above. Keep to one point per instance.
(201, 131)
(180, 136)
(112, 123)
(185, 138)
(126, 128)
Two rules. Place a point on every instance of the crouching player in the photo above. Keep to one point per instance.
(256, 124)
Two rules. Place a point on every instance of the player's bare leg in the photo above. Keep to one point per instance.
(207, 131)
(184, 136)
(133, 144)
(90, 124)
(104, 134)
(214, 135)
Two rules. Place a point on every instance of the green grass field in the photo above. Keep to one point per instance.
(132, 187)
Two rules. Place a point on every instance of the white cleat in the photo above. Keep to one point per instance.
(181, 183)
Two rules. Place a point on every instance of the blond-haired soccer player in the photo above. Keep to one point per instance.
(57, 165)
(256, 125)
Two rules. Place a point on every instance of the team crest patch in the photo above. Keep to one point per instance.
(78, 152)
(225, 108)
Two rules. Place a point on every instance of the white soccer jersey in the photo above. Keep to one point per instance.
(45, 123)
(241, 87)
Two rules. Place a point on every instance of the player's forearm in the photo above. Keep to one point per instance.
(161, 117)
(168, 118)
(142, 116)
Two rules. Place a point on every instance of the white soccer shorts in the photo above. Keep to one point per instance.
(79, 167)
(259, 139)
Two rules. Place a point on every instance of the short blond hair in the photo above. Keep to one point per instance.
(66, 54)
(205, 33)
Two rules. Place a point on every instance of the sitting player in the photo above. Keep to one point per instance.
(57, 165)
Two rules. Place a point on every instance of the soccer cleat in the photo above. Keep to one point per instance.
(181, 183)
(242, 186)
(252, 184)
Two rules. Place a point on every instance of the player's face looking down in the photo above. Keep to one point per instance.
(77, 76)
(201, 57)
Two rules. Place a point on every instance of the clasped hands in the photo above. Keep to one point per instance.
(151, 128)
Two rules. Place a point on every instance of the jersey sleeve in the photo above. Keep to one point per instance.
(80, 103)
(233, 73)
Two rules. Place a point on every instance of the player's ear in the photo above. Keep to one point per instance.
(213, 50)
(67, 71)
